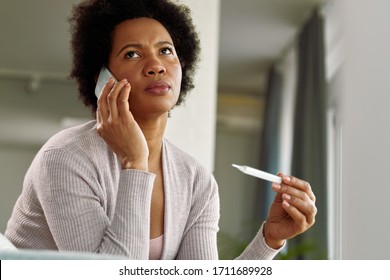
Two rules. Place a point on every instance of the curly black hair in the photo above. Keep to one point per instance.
(93, 21)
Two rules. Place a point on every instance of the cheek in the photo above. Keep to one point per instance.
(132, 77)
(177, 74)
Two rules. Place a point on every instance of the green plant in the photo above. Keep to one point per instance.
(306, 249)
(229, 246)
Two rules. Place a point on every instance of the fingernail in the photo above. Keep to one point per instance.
(286, 196)
(287, 178)
(276, 186)
(286, 203)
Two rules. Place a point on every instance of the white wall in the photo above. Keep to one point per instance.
(192, 125)
(365, 103)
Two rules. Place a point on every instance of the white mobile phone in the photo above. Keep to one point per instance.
(103, 78)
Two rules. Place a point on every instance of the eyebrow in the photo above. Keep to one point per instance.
(138, 46)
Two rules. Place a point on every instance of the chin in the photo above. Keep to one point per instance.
(153, 111)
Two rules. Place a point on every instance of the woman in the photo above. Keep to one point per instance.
(116, 185)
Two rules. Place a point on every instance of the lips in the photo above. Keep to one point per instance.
(158, 87)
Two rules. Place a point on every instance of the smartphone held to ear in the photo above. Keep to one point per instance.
(103, 78)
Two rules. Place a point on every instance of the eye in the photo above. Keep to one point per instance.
(166, 51)
(131, 54)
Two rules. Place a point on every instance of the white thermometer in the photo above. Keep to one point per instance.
(258, 173)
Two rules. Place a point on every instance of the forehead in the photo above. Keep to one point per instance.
(139, 30)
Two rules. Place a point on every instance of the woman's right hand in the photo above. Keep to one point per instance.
(117, 126)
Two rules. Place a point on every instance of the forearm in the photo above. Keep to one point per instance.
(131, 221)
(93, 213)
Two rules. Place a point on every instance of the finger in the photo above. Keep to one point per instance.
(284, 188)
(98, 116)
(278, 198)
(300, 184)
(102, 101)
(112, 98)
(123, 101)
(297, 197)
(277, 187)
(307, 208)
(99, 127)
(300, 222)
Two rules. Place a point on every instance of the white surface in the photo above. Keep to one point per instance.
(5, 244)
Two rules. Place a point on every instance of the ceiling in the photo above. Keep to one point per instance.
(35, 39)
(255, 33)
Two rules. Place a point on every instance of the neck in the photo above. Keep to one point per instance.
(153, 131)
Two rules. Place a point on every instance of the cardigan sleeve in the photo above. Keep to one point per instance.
(258, 249)
(75, 210)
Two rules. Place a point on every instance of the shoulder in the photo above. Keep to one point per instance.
(81, 135)
(78, 143)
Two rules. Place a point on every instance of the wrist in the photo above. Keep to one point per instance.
(139, 165)
(270, 241)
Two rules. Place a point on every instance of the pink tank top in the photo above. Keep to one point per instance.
(156, 247)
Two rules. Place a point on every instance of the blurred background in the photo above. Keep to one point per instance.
(297, 86)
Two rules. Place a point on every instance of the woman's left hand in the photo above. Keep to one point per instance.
(292, 212)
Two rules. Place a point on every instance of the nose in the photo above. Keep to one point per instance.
(154, 67)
